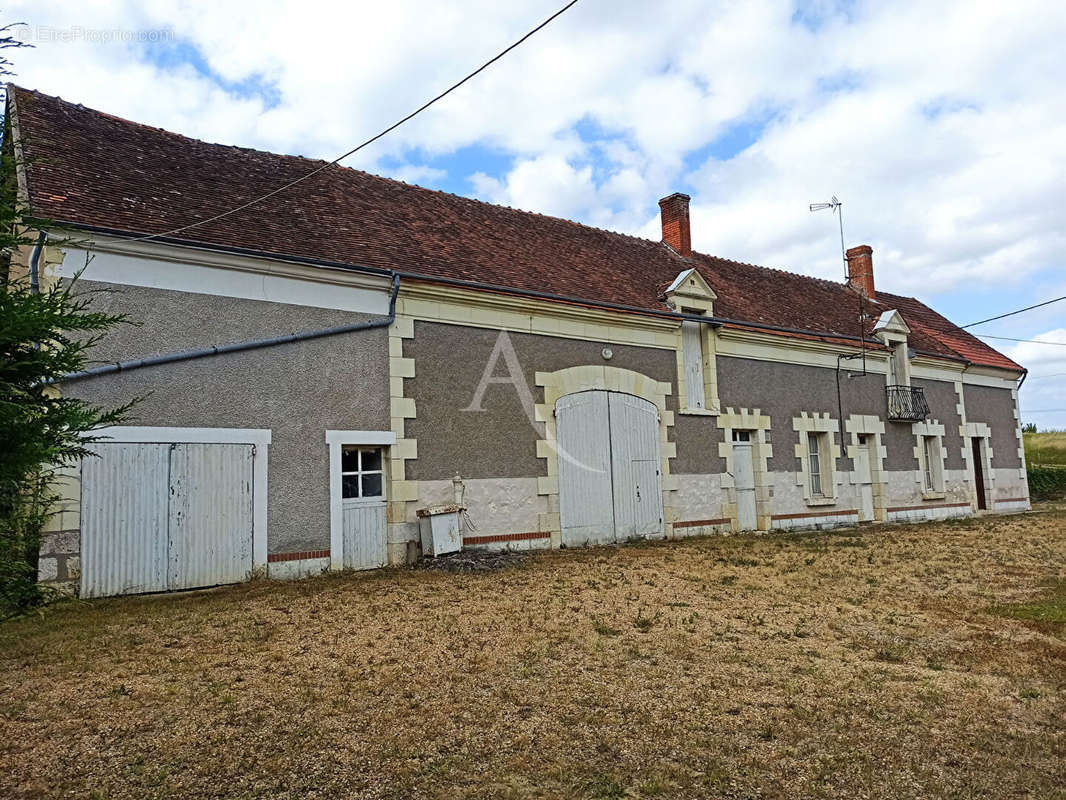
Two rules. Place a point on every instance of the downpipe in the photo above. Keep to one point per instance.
(35, 260)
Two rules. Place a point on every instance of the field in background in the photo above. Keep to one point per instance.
(1045, 461)
(1045, 448)
(881, 662)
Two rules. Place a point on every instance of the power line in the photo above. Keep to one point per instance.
(1011, 339)
(1043, 411)
(371, 140)
(1012, 313)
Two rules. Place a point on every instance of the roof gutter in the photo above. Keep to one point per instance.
(238, 347)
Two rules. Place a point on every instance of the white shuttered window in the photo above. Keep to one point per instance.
(692, 344)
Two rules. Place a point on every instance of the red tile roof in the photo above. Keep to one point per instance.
(88, 168)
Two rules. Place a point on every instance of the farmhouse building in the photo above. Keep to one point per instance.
(320, 366)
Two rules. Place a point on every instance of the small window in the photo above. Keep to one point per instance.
(362, 476)
(815, 463)
(741, 436)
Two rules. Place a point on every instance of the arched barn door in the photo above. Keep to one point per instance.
(610, 486)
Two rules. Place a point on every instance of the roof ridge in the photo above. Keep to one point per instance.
(158, 129)
(373, 175)
(499, 206)
(419, 187)
(782, 271)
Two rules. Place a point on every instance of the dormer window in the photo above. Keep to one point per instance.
(893, 332)
(905, 402)
(690, 294)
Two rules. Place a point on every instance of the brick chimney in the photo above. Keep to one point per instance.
(676, 232)
(861, 269)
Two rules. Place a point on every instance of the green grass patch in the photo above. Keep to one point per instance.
(1046, 612)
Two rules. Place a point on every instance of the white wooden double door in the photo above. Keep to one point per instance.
(610, 486)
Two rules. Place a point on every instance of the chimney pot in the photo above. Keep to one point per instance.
(861, 269)
(676, 231)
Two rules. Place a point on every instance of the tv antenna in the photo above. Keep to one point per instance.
(837, 208)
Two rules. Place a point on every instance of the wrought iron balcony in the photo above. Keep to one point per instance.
(907, 404)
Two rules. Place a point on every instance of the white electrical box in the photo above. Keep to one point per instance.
(439, 528)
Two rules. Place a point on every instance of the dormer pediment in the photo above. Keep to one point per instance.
(891, 327)
(690, 291)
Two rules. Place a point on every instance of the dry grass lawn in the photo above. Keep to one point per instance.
(894, 662)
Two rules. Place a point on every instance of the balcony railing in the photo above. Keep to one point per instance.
(907, 404)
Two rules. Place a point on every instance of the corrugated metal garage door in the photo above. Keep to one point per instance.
(124, 504)
(159, 517)
(210, 526)
(610, 486)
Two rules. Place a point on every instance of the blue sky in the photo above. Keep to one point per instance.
(941, 126)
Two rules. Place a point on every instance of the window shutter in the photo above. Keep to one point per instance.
(692, 345)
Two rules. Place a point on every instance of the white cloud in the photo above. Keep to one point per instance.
(1043, 395)
(418, 173)
(549, 184)
(1041, 355)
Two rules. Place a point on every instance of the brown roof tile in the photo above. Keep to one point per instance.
(88, 168)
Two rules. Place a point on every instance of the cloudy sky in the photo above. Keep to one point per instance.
(941, 125)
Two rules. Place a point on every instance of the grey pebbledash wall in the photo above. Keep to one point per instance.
(995, 407)
(943, 407)
(697, 440)
(297, 390)
(784, 391)
(500, 441)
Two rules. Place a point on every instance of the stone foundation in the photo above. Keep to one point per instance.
(59, 559)
(59, 562)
